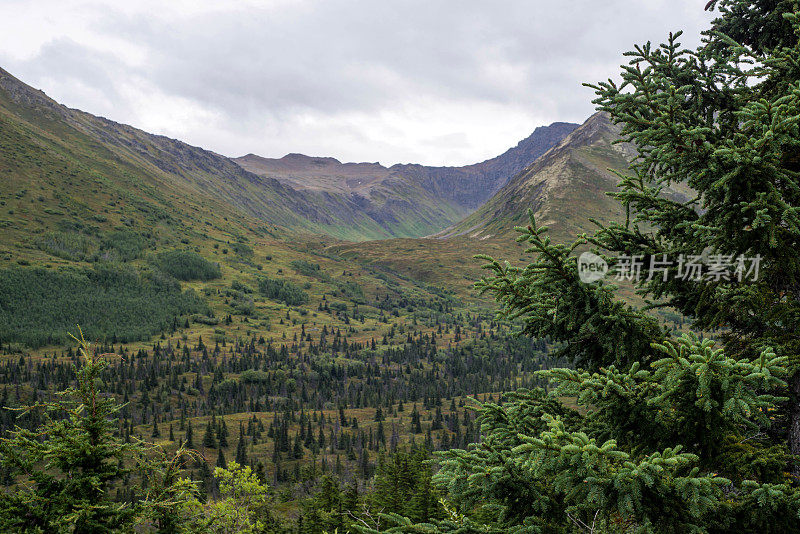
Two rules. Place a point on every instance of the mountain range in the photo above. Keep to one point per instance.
(404, 200)
(350, 201)
(62, 166)
(564, 188)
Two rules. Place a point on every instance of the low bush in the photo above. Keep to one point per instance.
(185, 265)
(282, 291)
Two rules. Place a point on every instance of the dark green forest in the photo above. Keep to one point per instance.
(318, 421)
(39, 306)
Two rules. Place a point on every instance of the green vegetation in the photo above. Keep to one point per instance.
(668, 433)
(306, 268)
(123, 245)
(282, 291)
(243, 507)
(313, 403)
(240, 249)
(351, 291)
(312, 270)
(66, 467)
(120, 245)
(269, 408)
(185, 265)
(67, 245)
(403, 486)
(37, 306)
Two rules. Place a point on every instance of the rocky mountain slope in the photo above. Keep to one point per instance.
(405, 200)
(472, 185)
(565, 187)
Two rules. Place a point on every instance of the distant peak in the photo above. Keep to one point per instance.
(600, 117)
(297, 157)
(556, 125)
(600, 121)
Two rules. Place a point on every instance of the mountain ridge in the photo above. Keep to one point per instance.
(573, 174)
(464, 187)
(317, 195)
(168, 165)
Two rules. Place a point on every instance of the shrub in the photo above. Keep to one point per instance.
(236, 285)
(313, 270)
(282, 291)
(240, 249)
(204, 319)
(123, 245)
(244, 305)
(252, 376)
(67, 245)
(185, 265)
(352, 291)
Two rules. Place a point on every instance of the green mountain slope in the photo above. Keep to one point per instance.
(78, 191)
(92, 166)
(101, 160)
(117, 230)
(401, 201)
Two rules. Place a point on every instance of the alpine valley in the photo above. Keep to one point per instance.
(313, 319)
(595, 331)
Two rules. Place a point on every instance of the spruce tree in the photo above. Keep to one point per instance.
(241, 450)
(722, 120)
(66, 468)
(222, 434)
(297, 449)
(210, 436)
(189, 435)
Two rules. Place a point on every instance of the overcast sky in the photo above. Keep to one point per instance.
(426, 81)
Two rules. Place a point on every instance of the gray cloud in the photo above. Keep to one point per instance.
(430, 81)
